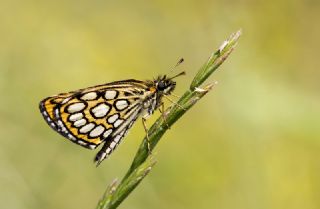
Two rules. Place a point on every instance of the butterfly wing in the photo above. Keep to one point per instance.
(96, 114)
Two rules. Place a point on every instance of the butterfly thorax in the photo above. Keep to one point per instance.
(157, 89)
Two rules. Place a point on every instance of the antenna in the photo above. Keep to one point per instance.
(178, 63)
(179, 74)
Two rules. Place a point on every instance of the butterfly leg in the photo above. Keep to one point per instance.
(146, 130)
(173, 102)
(164, 117)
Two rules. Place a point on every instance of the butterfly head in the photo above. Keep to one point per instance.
(166, 85)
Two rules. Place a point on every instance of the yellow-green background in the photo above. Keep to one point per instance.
(252, 143)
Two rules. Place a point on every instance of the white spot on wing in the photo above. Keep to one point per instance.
(107, 133)
(100, 110)
(81, 142)
(112, 145)
(117, 138)
(76, 116)
(60, 124)
(117, 123)
(113, 118)
(89, 96)
(66, 100)
(56, 112)
(130, 124)
(121, 104)
(76, 107)
(96, 131)
(71, 137)
(86, 128)
(110, 94)
(122, 133)
(103, 156)
(79, 123)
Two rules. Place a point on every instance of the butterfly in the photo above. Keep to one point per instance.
(103, 114)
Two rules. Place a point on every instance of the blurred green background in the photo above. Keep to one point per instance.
(252, 143)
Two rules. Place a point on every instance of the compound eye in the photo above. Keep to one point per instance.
(161, 86)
